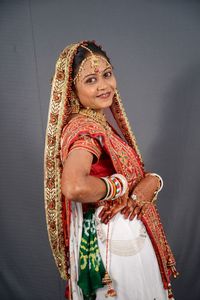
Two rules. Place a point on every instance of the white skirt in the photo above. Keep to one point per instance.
(132, 262)
(133, 265)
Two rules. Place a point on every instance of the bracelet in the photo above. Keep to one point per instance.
(104, 179)
(118, 187)
(161, 181)
(123, 182)
(161, 185)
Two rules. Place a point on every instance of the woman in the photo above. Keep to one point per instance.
(103, 225)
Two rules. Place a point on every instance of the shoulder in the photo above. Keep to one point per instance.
(81, 125)
(81, 133)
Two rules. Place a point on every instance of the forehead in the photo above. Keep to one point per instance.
(93, 64)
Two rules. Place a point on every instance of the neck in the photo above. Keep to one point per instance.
(99, 111)
(96, 115)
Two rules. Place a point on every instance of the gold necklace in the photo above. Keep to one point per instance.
(94, 115)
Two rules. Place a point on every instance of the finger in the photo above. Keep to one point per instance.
(127, 213)
(134, 213)
(103, 211)
(142, 211)
(139, 217)
(139, 213)
(106, 215)
(107, 218)
(125, 209)
(132, 216)
(113, 212)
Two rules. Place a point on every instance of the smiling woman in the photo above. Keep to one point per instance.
(95, 89)
(104, 228)
(94, 82)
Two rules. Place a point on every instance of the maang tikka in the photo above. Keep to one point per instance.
(94, 59)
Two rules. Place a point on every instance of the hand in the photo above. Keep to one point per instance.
(108, 212)
(134, 208)
(145, 192)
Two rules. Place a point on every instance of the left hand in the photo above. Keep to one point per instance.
(145, 191)
(134, 208)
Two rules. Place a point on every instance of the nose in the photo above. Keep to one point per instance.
(101, 84)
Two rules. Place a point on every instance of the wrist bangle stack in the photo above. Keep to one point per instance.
(116, 186)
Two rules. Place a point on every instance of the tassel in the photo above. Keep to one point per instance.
(170, 294)
(174, 272)
(106, 280)
(111, 291)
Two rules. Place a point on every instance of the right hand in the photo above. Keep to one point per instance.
(108, 212)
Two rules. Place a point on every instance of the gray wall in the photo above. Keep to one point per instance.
(155, 48)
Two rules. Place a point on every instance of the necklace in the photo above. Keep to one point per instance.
(94, 115)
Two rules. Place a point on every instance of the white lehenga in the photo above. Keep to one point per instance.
(133, 265)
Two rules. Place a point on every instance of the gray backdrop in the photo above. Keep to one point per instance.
(155, 48)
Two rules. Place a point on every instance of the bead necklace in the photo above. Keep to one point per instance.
(95, 115)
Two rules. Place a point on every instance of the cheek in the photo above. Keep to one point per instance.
(114, 83)
(90, 91)
(81, 91)
(85, 93)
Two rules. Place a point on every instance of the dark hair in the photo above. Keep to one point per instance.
(82, 53)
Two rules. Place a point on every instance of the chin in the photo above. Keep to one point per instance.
(107, 104)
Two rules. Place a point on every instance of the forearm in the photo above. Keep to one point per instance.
(146, 188)
(85, 189)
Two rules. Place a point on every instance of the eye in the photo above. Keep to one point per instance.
(91, 80)
(107, 74)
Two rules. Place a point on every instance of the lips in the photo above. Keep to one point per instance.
(104, 95)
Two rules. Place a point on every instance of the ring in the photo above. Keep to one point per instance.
(133, 197)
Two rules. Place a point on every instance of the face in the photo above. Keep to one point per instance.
(95, 86)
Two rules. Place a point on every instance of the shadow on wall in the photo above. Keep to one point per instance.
(176, 154)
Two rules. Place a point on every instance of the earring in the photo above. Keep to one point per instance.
(75, 104)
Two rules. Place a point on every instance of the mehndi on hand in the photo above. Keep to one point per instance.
(107, 213)
(142, 196)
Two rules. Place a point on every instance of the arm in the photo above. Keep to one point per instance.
(76, 183)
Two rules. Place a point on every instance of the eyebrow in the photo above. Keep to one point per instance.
(92, 74)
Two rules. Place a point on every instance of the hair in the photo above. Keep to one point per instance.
(82, 53)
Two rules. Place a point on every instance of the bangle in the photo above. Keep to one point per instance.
(105, 180)
(161, 185)
(123, 181)
(118, 187)
(161, 181)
